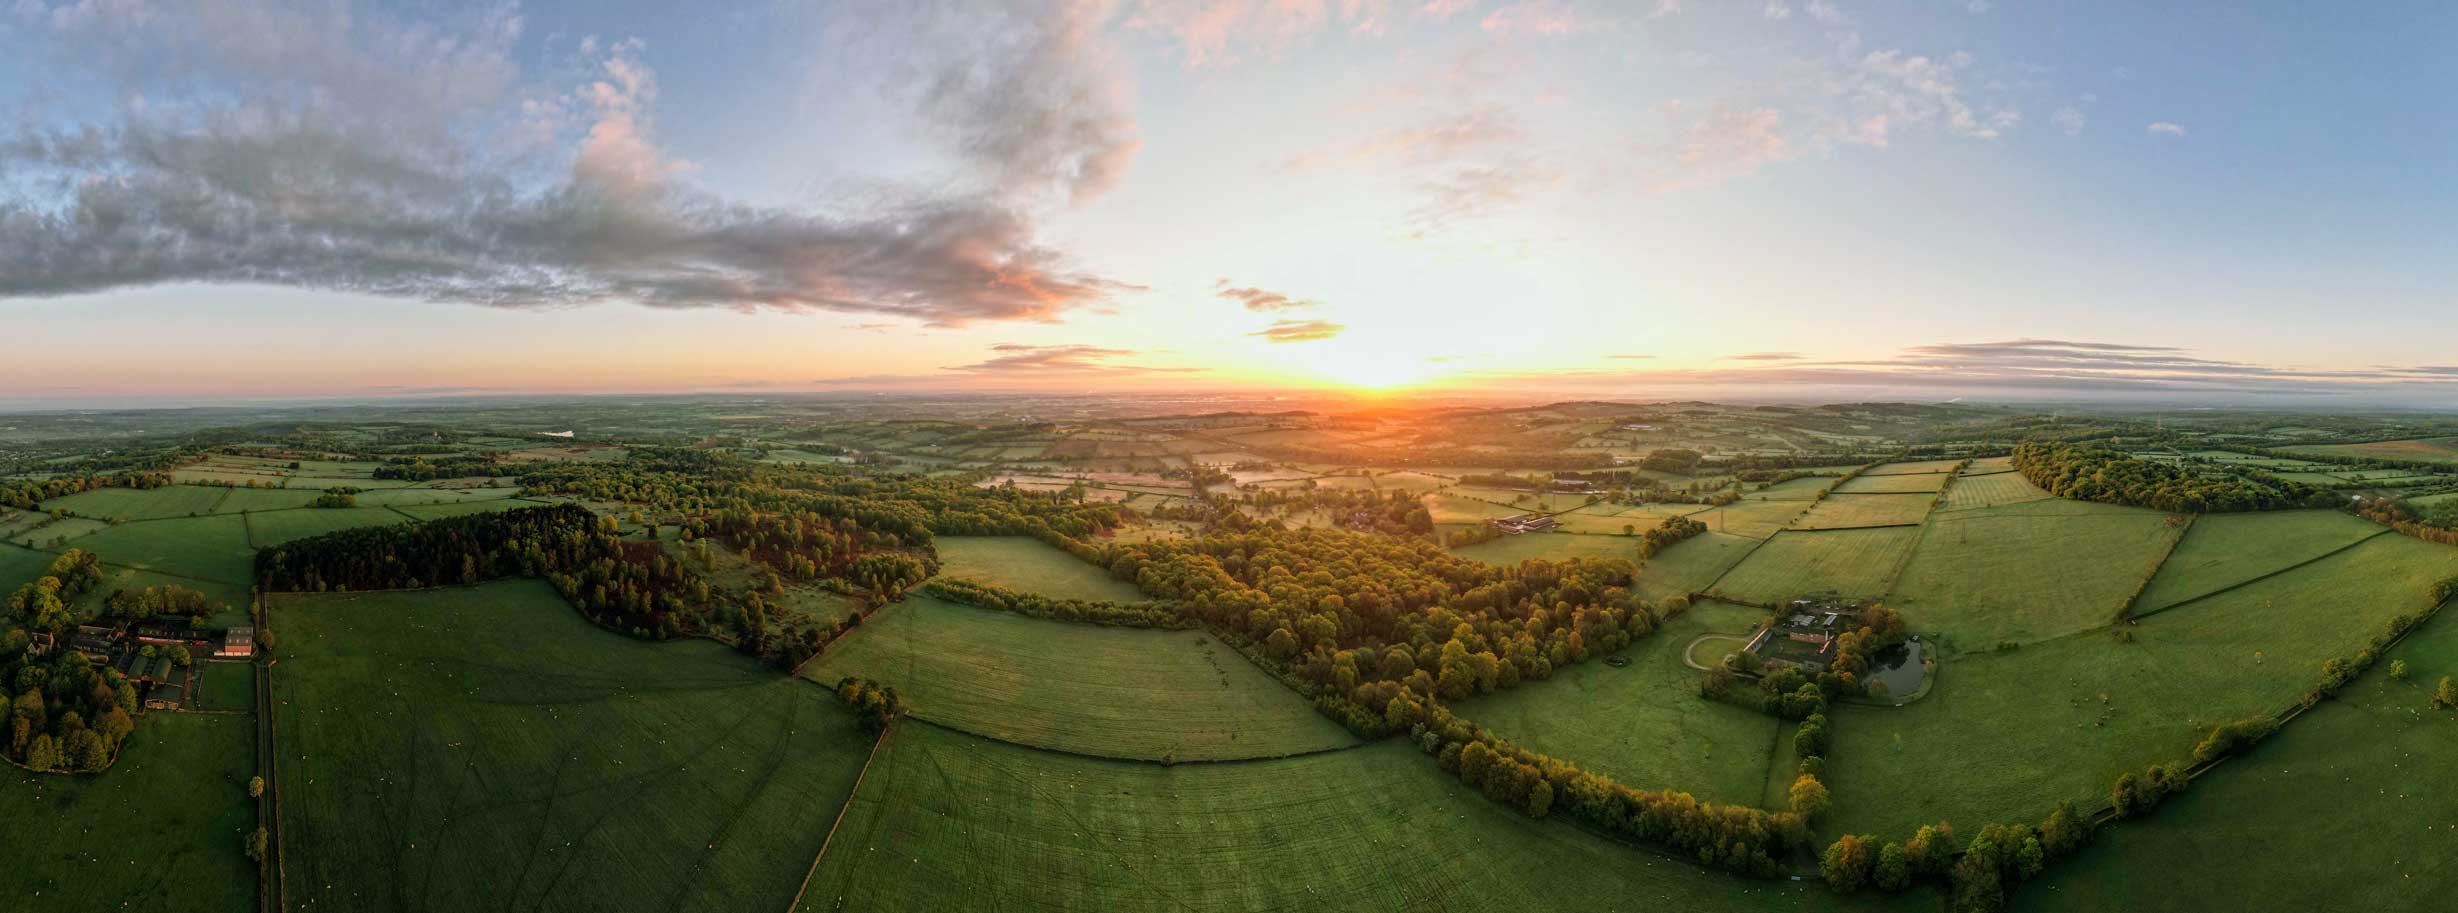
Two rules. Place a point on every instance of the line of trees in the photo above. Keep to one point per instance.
(1136, 615)
(1977, 880)
(1672, 532)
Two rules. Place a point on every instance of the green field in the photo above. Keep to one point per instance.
(19, 566)
(224, 685)
(2019, 573)
(1996, 489)
(162, 830)
(254, 499)
(124, 504)
(2223, 550)
(1843, 511)
(486, 748)
(1912, 468)
(1029, 565)
(268, 529)
(2350, 801)
(1644, 724)
(57, 533)
(1920, 482)
(1510, 550)
(207, 548)
(945, 821)
(403, 497)
(463, 508)
(1802, 489)
(1755, 519)
(1690, 565)
(1851, 562)
(2004, 736)
(1451, 508)
(1113, 692)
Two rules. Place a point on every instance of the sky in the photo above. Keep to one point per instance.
(2228, 202)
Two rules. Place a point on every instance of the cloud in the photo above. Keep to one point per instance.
(1545, 18)
(1222, 32)
(1891, 88)
(1263, 301)
(2069, 119)
(2024, 367)
(1776, 11)
(1439, 140)
(1300, 331)
(1823, 11)
(1766, 356)
(1019, 359)
(1631, 357)
(1472, 192)
(1723, 144)
(332, 148)
(2164, 128)
(1030, 94)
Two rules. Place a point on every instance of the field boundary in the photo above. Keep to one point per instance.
(2253, 580)
(850, 794)
(920, 717)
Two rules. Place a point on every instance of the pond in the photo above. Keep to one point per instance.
(1900, 668)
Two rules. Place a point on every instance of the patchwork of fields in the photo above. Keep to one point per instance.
(1850, 562)
(1029, 565)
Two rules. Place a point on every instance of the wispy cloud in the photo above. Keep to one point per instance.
(1442, 139)
(1546, 18)
(1262, 300)
(1766, 356)
(2164, 128)
(1300, 331)
(2070, 120)
(1014, 358)
(2017, 367)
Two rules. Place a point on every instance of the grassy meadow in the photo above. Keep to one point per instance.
(2224, 550)
(1644, 724)
(486, 748)
(2016, 574)
(947, 821)
(1112, 692)
(163, 830)
(1851, 562)
(1029, 565)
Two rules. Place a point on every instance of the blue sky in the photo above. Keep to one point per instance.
(2225, 202)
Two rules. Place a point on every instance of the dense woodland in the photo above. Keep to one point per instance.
(65, 713)
(2108, 476)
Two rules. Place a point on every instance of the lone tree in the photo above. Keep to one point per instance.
(2445, 696)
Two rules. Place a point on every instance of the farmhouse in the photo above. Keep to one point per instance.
(96, 643)
(161, 634)
(238, 641)
(1524, 523)
(1802, 635)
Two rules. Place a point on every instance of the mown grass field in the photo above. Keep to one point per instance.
(486, 748)
(1996, 489)
(268, 529)
(2005, 736)
(2223, 550)
(124, 504)
(1983, 576)
(1690, 565)
(1923, 482)
(1755, 519)
(20, 565)
(945, 821)
(1912, 468)
(1113, 692)
(2350, 805)
(1644, 724)
(1510, 550)
(224, 685)
(1028, 565)
(162, 830)
(1850, 562)
(1843, 511)
(211, 548)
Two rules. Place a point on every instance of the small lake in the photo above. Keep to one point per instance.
(1899, 667)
